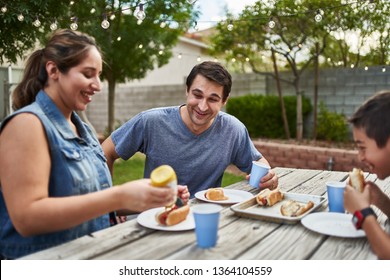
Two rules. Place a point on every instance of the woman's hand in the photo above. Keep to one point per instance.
(140, 195)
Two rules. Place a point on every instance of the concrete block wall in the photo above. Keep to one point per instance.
(342, 90)
(130, 101)
(308, 157)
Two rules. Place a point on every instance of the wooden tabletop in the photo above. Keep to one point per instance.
(238, 237)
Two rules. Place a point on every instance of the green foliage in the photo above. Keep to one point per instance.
(18, 37)
(331, 126)
(125, 60)
(262, 115)
(133, 169)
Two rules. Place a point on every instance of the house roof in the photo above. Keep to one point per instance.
(193, 42)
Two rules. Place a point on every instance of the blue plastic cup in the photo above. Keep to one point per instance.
(206, 224)
(335, 192)
(259, 170)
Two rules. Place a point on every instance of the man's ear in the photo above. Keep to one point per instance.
(224, 103)
(52, 70)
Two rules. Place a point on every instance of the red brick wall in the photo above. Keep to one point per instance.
(308, 157)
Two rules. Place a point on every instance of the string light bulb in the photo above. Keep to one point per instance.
(318, 16)
(119, 38)
(4, 9)
(74, 24)
(271, 23)
(36, 23)
(230, 26)
(140, 14)
(93, 10)
(196, 26)
(112, 17)
(371, 6)
(383, 69)
(105, 23)
(54, 26)
(179, 56)
(20, 17)
(163, 24)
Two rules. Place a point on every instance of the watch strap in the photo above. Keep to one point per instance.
(360, 215)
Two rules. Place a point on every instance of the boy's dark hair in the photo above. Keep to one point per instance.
(214, 72)
(374, 117)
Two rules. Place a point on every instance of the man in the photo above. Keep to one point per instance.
(371, 132)
(196, 139)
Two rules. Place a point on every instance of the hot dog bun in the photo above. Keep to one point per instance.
(356, 179)
(292, 208)
(173, 216)
(268, 198)
(215, 194)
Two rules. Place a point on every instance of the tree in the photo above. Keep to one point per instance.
(287, 27)
(131, 46)
(18, 34)
(293, 29)
(362, 36)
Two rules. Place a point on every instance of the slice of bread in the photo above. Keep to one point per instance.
(292, 208)
(356, 179)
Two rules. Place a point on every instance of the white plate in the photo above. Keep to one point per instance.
(235, 196)
(148, 219)
(334, 224)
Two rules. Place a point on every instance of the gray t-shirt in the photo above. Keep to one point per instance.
(199, 160)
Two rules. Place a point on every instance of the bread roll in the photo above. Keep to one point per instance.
(177, 216)
(356, 179)
(268, 198)
(292, 208)
(215, 194)
(173, 216)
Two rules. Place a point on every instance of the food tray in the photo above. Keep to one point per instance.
(250, 208)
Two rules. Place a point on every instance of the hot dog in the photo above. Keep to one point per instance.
(268, 198)
(173, 216)
(356, 179)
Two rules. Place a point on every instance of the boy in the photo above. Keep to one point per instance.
(371, 132)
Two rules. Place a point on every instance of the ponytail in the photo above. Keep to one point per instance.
(34, 79)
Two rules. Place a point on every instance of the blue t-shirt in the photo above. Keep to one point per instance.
(199, 160)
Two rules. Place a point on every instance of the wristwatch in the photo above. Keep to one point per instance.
(360, 215)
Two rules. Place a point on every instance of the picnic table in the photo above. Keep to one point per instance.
(239, 237)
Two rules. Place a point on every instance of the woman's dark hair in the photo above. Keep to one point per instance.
(374, 117)
(66, 48)
(214, 72)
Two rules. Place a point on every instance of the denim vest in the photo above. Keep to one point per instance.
(78, 166)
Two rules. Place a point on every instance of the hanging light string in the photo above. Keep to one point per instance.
(140, 15)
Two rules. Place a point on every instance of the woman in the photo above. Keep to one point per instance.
(55, 183)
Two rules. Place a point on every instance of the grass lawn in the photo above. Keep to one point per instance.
(133, 169)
